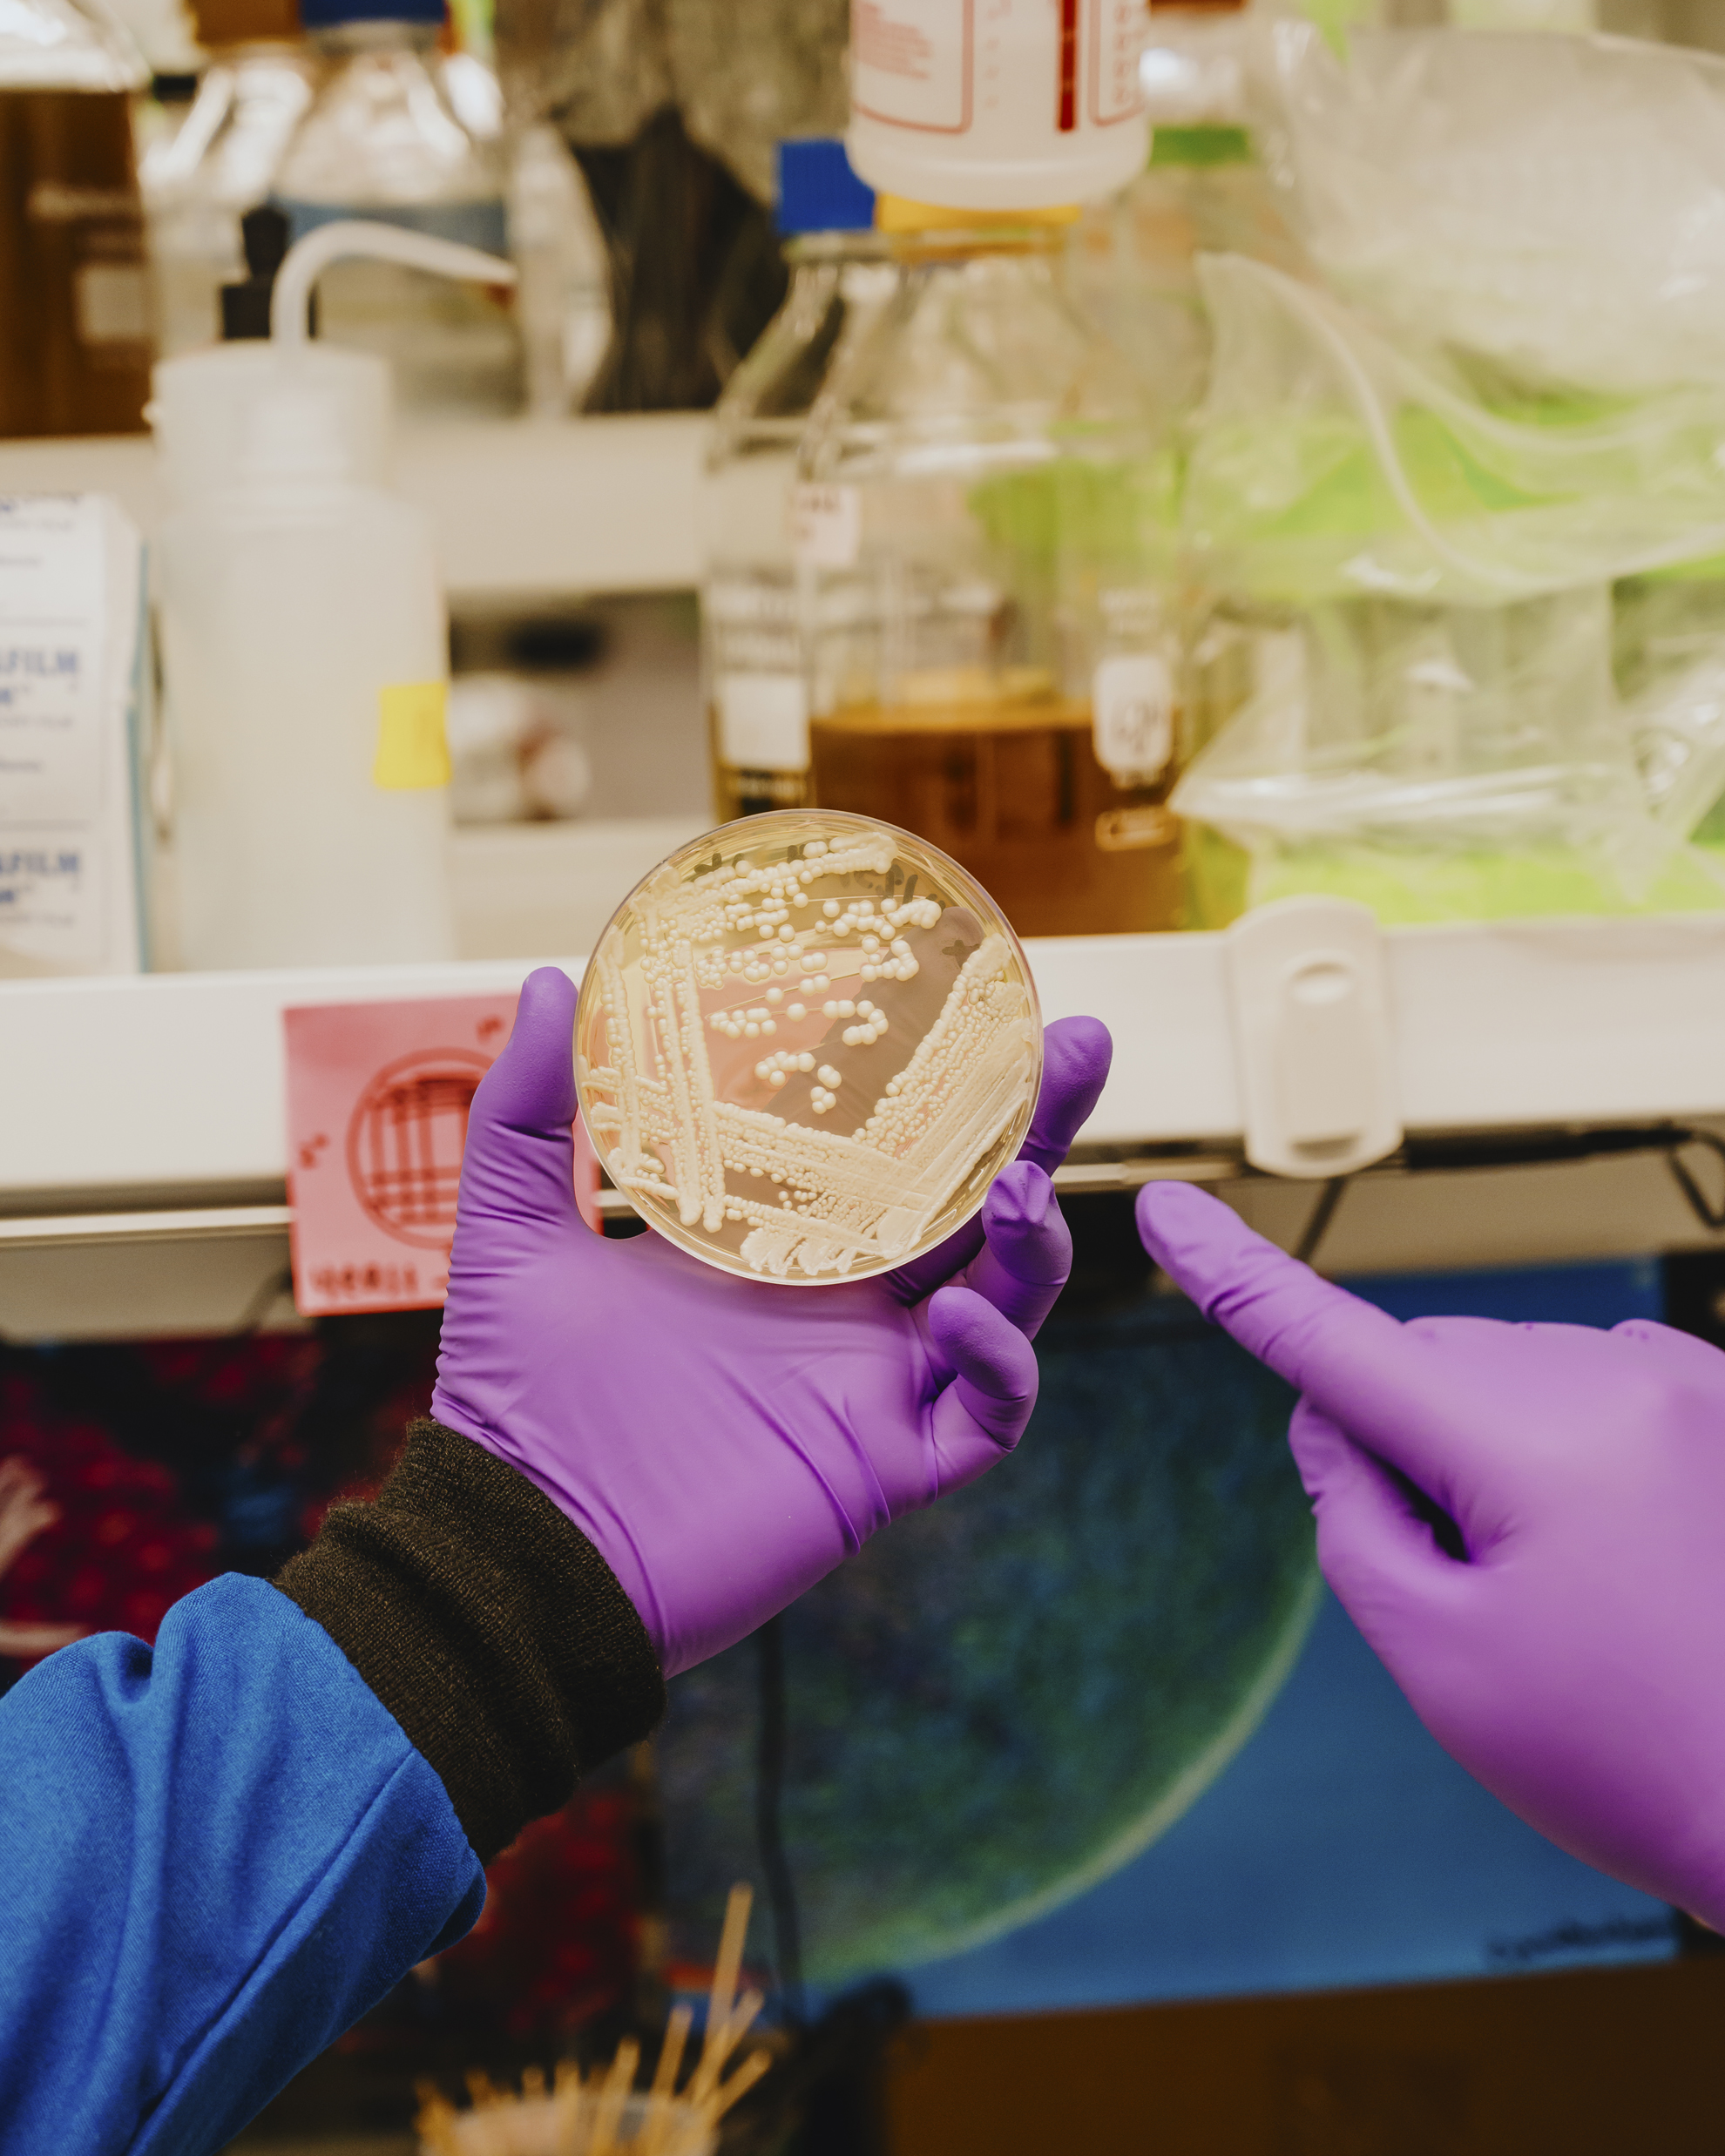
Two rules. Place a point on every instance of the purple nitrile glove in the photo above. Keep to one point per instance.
(1573, 1657)
(725, 1443)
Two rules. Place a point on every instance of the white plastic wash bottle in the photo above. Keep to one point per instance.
(996, 105)
(303, 645)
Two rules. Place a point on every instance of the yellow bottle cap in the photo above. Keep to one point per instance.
(893, 213)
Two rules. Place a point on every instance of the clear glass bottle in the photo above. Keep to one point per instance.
(74, 333)
(1668, 656)
(201, 181)
(1132, 265)
(382, 140)
(984, 529)
(753, 661)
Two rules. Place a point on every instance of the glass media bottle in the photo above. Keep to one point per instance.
(200, 182)
(382, 140)
(984, 534)
(752, 654)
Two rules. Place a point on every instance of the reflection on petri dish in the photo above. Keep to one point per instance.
(806, 1044)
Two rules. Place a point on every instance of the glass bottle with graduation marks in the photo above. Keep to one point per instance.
(984, 528)
(753, 658)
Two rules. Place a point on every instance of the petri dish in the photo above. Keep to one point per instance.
(805, 1046)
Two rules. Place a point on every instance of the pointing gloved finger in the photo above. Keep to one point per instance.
(519, 1163)
(1026, 1257)
(1387, 1385)
(1274, 1306)
(981, 1415)
(1076, 1053)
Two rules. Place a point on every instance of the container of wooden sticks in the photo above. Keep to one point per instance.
(541, 2122)
(602, 2112)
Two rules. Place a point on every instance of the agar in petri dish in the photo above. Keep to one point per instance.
(805, 1046)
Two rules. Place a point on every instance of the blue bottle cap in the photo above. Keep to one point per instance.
(331, 14)
(818, 192)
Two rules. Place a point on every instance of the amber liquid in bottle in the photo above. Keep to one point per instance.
(75, 335)
(1013, 790)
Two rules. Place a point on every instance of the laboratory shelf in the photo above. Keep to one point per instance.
(520, 507)
(142, 1149)
(172, 1083)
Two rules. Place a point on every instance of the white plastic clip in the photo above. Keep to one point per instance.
(1313, 1037)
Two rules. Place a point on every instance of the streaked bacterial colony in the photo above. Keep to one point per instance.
(806, 1044)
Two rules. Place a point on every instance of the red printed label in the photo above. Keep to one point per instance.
(911, 63)
(378, 1096)
(1116, 38)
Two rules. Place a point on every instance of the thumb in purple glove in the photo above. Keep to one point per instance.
(723, 1443)
(1567, 1646)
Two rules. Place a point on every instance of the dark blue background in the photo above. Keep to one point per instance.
(1340, 1846)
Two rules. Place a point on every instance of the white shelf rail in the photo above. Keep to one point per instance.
(172, 1083)
(143, 1119)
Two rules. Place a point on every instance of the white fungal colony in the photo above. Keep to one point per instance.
(805, 1046)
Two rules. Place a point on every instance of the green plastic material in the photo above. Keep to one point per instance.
(1417, 887)
(1200, 146)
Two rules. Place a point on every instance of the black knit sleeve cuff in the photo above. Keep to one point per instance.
(488, 1625)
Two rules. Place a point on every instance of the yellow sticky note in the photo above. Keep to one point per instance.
(413, 749)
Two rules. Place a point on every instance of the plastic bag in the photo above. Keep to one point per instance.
(1550, 208)
(1409, 670)
(1417, 702)
(1326, 461)
(1669, 659)
(1461, 759)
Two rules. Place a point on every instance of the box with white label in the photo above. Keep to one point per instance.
(72, 691)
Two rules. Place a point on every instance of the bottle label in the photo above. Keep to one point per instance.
(763, 721)
(1116, 88)
(1136, 830)
(942, 67)
(378, 1095)
(826, 526)
(1132, 707)
(413, 748)
(911, 63)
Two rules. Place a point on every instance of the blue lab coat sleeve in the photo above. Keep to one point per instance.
(215, 1856)
(217, 1853)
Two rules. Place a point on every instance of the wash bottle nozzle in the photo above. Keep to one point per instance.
(347, 238)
